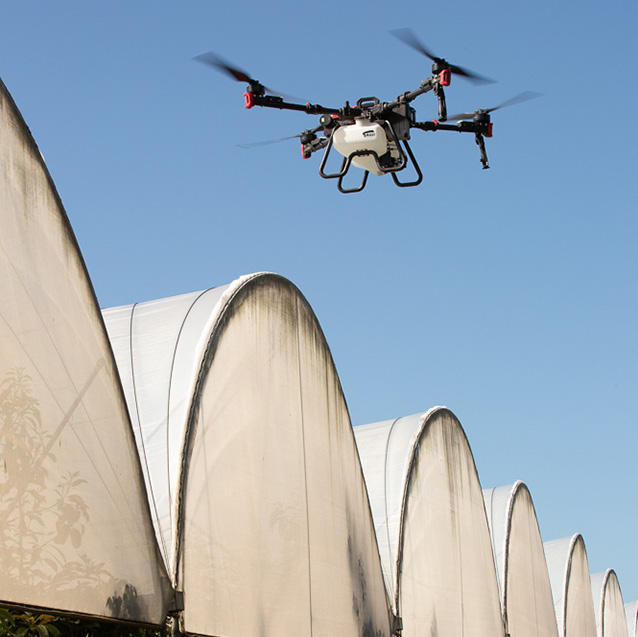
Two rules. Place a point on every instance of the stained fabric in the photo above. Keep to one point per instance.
(257, 486)
(526, 596)
(431, 525)
(75, 529)
(571, 589)
(609, 608)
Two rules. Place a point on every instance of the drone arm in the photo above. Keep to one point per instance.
(405, 98)
(480, 129)
(273, 101)
(462, 126)
(426, 86)
(435, 125)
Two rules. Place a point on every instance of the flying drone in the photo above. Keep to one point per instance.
(373, 135)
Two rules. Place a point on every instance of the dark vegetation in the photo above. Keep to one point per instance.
(17, 623)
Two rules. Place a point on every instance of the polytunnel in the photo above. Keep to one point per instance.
(526, 596)
(431, 526)
(631, 613)
(75, 531)
(571, 588)
(608, 605)
(259, 497)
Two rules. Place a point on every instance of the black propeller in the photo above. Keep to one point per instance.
(522, 97)
(306, 137)
(407, 37)
(219, 63)
(214, 60)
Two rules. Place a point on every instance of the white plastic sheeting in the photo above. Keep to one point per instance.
(252, 462)
(259, 508)
(631, 612)
(571, 587)
(608, 605)
(159, 346)
(431, 525)
(75, 529)
(526, 596)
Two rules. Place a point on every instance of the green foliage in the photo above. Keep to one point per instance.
(25, 624)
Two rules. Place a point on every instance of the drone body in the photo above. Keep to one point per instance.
(373, 136)
(366, 136)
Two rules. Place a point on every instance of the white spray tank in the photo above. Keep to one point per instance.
(363, 135)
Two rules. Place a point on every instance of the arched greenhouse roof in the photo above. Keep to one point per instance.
(75, 531)
(431, 526)
(252, 463)
(608, 605)
(571, 588)
(526, 596)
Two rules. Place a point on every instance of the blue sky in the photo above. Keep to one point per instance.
(508, 295)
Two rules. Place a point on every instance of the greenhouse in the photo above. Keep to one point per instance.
(526, 596)
(609, 609)
(431, 525)
(569, 576)
(190, 461)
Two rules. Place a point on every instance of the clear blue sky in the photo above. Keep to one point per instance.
(508, 295)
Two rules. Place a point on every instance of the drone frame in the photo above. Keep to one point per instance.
(406, 117)
(396, 117)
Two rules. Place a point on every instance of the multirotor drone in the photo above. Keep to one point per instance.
(373, 135)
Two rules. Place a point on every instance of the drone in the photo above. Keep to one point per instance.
(373, 135)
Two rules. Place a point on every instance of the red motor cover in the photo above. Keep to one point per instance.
(248, 100)
(446, 77)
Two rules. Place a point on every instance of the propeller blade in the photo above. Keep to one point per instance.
(408, 37)
(460, 116)
(217, 62)
(470, 75)
(517, 99)
(267, 142)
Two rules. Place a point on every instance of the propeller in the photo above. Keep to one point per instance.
(214, 60)
(407, 37)
(219, 63)
(522, 97)
(306, 137)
